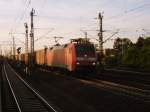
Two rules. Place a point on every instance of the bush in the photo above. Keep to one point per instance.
(131, 57)
(111, 60)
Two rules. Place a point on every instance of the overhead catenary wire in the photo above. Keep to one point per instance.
(45, 34)
(144, 6)
(132, 12)
(20, 9)
(22, 12)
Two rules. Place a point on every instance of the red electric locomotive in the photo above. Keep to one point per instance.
(73, 56)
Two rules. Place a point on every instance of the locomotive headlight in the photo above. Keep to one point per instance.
(93, 63)
(78, 63)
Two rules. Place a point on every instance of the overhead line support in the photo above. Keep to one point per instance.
(26, 42)
(32, 39)
(100, 34)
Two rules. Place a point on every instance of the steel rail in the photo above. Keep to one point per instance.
(13, 93)
(114, 87)
(129, 71)
(34, 91)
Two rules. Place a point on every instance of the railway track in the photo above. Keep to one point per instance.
(145, 74)
(116, 86)
(130, 70)
(8, 103)
(131, 78)
(25, 98)
(94, 92)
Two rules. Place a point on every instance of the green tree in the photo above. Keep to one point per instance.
(117, 44)
(140, 42)
(147, 41)
(138, 55)
(121, 45)
(131, 57)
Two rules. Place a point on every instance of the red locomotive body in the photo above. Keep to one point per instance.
(72, 56)
(62, 57)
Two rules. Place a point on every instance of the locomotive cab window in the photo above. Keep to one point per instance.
(85, 49)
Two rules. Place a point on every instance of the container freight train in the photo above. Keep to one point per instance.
(73, 56)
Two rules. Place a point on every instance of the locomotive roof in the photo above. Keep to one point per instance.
(58, 46)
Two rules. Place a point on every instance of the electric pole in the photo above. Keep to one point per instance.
(14, 48)
(32, 39)
(86, 39)
(100, 34)
(26, 42)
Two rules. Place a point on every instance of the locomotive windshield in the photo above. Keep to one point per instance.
(82, 49)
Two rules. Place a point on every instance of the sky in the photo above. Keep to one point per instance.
(71, 18)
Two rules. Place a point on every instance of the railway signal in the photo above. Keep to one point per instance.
(19, 50)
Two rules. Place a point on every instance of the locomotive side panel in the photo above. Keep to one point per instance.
(59, 58)
(70, 57)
